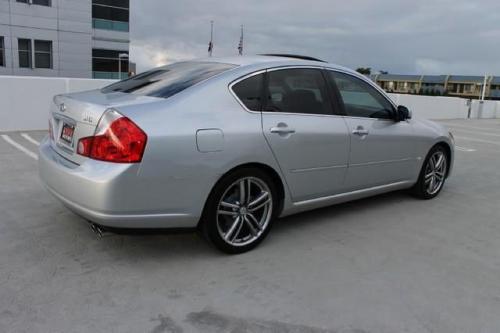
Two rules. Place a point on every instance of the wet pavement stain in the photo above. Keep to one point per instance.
(166, 325)
(207, 321)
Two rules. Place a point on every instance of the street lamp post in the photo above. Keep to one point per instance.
(120, 56)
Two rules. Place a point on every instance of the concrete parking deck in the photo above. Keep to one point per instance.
(385, 264)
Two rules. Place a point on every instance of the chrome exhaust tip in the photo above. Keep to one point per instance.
(97, 229)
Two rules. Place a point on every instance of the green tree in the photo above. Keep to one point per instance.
(364, 71)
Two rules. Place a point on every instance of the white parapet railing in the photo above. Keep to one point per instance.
(25, 102)
(439, 107)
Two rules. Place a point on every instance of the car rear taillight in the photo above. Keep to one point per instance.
(117, 139)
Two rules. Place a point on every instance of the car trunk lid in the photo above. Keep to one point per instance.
(75, 116)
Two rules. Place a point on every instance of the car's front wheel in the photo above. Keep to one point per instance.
(240, 211)
(433, 174)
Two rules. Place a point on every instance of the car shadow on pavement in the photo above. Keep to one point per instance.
(333, 213)
(165, 243)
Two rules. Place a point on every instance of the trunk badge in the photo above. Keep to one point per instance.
(62, 107)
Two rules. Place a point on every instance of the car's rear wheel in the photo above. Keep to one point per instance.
(433, 174)
(240, 211)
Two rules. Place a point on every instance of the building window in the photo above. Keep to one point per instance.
(24, 46)
(36, 2)
(106, 64)
(43, 54)
(110, 14)
(41, 2)
(2, 52)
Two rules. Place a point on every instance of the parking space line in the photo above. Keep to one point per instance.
(469, 127)
(468, 150)
(30, 139)
(476, 132)
(477, 140)
(19, 147)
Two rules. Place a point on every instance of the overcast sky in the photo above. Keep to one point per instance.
(400, 36)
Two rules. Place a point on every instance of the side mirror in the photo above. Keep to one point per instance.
(403, 113)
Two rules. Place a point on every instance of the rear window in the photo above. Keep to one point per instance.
(169, 80)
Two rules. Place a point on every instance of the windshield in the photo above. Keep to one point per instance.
(169, 80)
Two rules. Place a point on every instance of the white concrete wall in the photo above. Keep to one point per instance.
(438, 107)
(25, 101)
(486, 110)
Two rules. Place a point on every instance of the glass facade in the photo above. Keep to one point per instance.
(106, 64)
(2, 52)
(111, 15)
(37, 2)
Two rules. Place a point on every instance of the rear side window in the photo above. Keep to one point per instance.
(169, 80)
(297, 91)
(361, 99)
(249, 92)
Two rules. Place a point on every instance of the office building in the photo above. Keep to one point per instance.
(65, 38)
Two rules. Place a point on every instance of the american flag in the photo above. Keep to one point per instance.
(211, 43)
(240, 45)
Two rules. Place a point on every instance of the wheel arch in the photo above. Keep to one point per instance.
(448, 151)
(275, 176)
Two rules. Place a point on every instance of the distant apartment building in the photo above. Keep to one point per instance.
(65, 38)
(470, 87)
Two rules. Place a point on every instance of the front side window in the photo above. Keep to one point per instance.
(297, 91)
(2, 52)
(168, 80)
(360, 98)
(249, 92)
(43, 54)
(24, 48)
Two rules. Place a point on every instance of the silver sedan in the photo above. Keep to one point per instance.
(230, 144)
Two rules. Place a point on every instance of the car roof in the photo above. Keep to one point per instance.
(266, 61)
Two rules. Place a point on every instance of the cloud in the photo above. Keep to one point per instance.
(418, 37)
(148, 54)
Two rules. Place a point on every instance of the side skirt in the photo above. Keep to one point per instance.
(306, 205)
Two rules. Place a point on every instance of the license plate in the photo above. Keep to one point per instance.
(67, 134)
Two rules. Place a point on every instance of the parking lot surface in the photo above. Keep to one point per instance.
(386, 264)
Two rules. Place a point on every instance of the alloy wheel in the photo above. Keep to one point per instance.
(244, 211)
(435, 172)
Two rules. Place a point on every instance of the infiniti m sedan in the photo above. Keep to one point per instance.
(228, 145)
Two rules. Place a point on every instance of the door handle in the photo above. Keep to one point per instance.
(361, 131)
(282, 129)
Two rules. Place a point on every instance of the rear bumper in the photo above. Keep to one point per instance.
(105, 193)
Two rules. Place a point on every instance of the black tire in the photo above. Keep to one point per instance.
(210, 221)
(421, 188)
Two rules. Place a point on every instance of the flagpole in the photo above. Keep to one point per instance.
(211, 44)
(240, 46)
